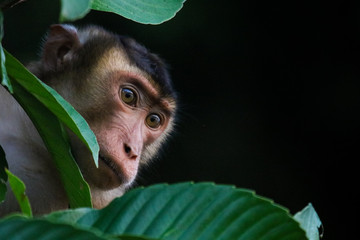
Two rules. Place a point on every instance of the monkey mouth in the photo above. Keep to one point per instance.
(112, 166)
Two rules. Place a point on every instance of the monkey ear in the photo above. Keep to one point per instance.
(60, 45)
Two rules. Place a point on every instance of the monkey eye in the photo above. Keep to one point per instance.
(128, 96)
(153, 120)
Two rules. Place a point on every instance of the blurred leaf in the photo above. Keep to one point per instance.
(3, 190)
(22, 228)
(69, 216)
(3, 175)
(55, 139)
(4, 77)
(190, 211)
(309, 221)
(142, 11)
(17, 227)
(54, 102)
(18, 188)
(72, 10)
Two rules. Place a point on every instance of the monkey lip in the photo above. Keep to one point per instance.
(114, 169)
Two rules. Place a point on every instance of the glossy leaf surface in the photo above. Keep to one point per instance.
(191, 211)
(142, 11)
(72, 10)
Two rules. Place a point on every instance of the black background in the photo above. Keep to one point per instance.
(269, 96)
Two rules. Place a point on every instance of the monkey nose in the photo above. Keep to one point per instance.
(130, 153)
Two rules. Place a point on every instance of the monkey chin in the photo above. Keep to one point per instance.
(112, 175)
(108, 176)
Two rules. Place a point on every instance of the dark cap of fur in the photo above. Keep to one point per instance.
(149, 63)
(95, 41)
(140, 56)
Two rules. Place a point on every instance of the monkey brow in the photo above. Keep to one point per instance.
(153, 97)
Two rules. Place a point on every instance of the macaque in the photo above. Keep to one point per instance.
(123, 92)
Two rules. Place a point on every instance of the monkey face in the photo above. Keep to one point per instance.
(129, 116)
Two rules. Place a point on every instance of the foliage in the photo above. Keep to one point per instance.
(4, 77)
(180, 211)
(18, 188)
(142, 11)
(72, 10)
(49, 111)
(310, 221)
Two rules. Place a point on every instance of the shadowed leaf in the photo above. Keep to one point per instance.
(142, 11)
(72, 10)
(191, 211)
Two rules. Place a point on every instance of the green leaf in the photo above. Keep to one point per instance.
(17, 227)
(142, 11)
(4, 77)
(192, 211)
(22, 228)
(3, 175)
(18, 188)
(54, 102)
(72, 10)
(55, 139)
(68, 216)
(46, 107)
(309, 221)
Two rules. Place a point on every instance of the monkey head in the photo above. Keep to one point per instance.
(123, 91)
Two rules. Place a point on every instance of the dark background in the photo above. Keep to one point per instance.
(269, 96)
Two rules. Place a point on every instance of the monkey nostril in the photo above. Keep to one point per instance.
(129, 152)
(127, 149)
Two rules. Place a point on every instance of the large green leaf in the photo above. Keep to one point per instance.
(54, 102)
(143, 11)
(45, 107)
(309, 221)
(55, 138)
(18, 188)
(18, 228)
(72, 10)
(190, 211)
